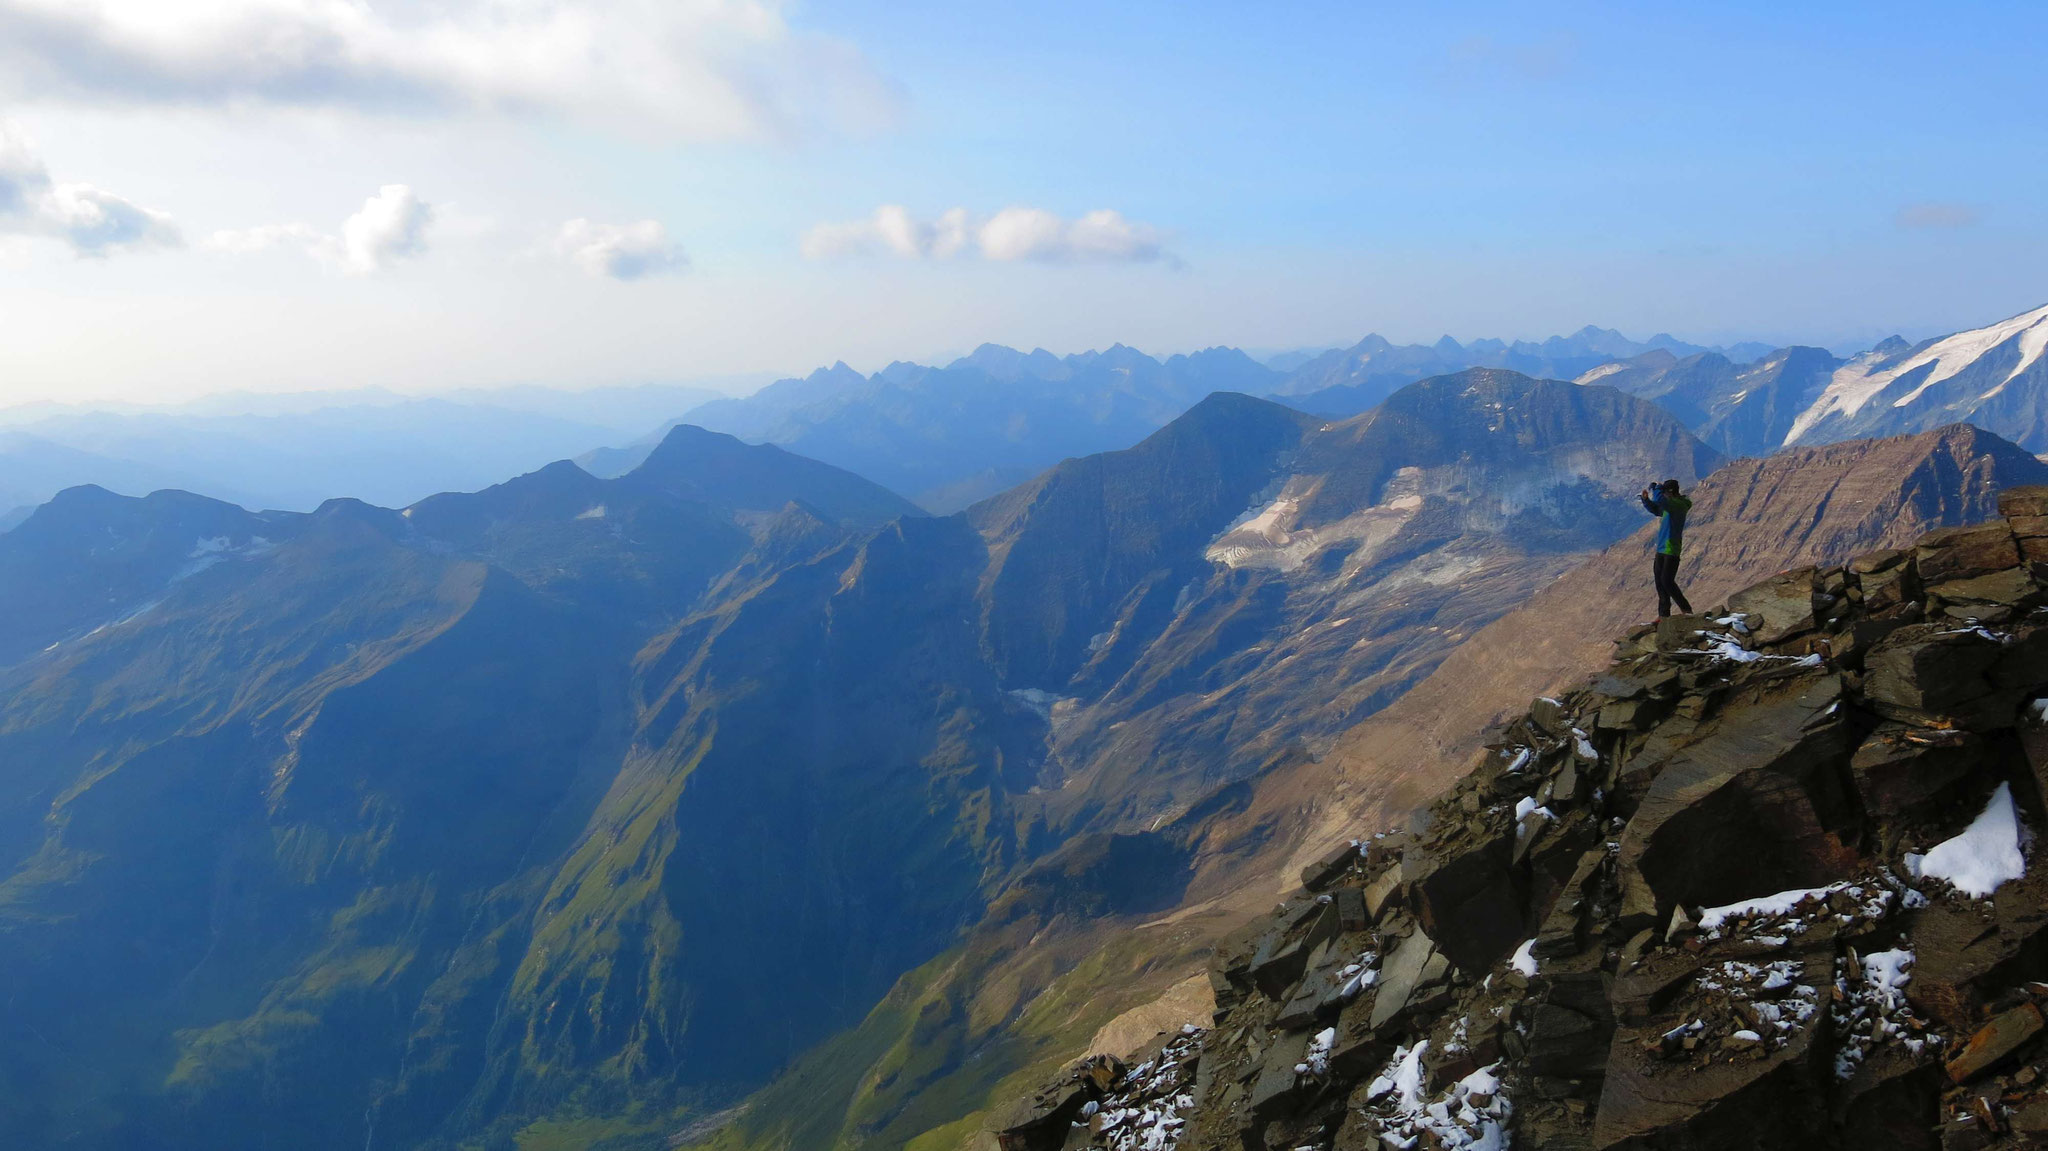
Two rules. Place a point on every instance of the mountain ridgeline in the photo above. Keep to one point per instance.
(573, 809)
(948, 436)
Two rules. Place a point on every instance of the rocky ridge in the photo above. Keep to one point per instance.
(1763, 881)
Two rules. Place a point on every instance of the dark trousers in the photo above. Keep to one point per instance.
(1666, 571)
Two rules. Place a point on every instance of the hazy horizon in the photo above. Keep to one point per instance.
(742, 384)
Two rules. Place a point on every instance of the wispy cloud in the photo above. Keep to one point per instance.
(621, 251)
(93, 221)
(1935, 214)
(391, 226)
(1012, 234)
(703, 69)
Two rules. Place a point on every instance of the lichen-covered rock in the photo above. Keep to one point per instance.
(1763, 882)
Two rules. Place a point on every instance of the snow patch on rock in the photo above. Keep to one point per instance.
(1986, 854)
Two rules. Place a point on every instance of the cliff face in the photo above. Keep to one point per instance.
(1763, 881)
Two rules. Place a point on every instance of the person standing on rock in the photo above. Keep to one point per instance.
(1669, 505)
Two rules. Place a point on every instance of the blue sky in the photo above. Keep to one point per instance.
(1265, 175)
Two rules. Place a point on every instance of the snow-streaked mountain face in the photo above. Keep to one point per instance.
(1995, 377)
(1739, 409)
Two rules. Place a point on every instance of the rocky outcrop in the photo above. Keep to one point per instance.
(1762, 882)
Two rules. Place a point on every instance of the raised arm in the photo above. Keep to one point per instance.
(1652, 504)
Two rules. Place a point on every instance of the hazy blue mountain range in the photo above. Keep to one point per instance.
(945, 437)
(597, 801)
(295, 451)
(1348, 381)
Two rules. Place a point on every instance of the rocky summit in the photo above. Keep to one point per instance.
(1763, 881)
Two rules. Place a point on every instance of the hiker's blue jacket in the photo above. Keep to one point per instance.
(1670, 512)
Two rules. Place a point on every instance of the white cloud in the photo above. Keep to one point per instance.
(715, 69)
(391, 226)
(93, 221)
(623, 252)
(1009, 235)
(891, 229)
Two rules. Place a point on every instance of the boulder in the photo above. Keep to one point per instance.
(1757, 803)
(1892, 588)
(2028, 500)
(1962, 552)
(1678, 632)
(1892, 1101)
(1402, 973)
(1318, 989)
(1631, 714)
(1899, 768)
(1926, 673)
(1778, 608)
(1656, 680)
(1351, 913)
(1387, 889)
(2021, 671)
(2026, 528)
(1992, 1042)
(1564, 928)
(1042, 1124)
(1277, 1087)
(1572, 1027)
(1968, 951)
(1870, 563)
(1470, 900)
(1323, 872)
(1283, 954)
(1993, 597)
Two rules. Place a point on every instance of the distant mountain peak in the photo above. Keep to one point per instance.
(726, 473)
(1007, 363)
